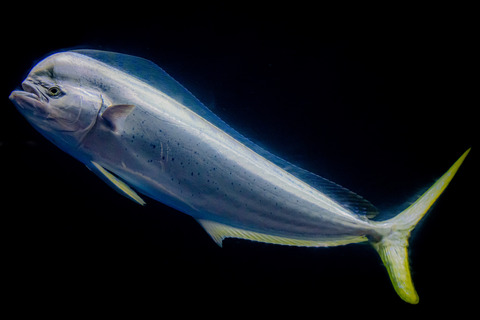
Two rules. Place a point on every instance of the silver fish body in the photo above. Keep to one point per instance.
(136, 127)
(174, 156)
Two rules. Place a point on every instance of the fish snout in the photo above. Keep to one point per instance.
(29, 99)
(29, 87)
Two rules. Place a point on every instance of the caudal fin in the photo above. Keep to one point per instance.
(393, 247)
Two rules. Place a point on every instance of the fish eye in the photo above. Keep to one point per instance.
(54, 91)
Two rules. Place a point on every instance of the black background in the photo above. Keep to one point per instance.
(379, 100)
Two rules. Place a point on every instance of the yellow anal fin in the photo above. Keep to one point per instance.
(116, 183)
(219, 232)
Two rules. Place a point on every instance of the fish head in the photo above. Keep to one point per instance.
(58, 100)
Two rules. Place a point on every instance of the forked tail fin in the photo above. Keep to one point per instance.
(393, 248)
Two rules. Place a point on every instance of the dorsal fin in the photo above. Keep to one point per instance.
(155, 76)
(344, 197)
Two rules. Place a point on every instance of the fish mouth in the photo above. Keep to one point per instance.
(29, 99)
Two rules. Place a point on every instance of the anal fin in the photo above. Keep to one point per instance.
(115, 182)
(219, 232)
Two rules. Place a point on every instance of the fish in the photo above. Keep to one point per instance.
(147, 136)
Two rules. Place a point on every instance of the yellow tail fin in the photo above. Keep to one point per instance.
(393, 248)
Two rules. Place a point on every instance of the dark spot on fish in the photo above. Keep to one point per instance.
(153, 146)
(192, 174)
(173, 159)
(163, 157)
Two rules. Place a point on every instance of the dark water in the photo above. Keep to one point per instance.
(382, 111)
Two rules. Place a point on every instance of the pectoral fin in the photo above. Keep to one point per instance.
(114, 116)
(115, 182)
